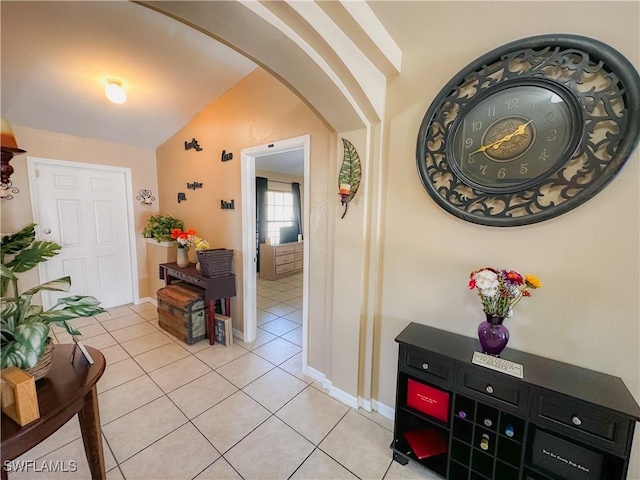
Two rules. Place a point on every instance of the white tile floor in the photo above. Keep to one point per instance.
(176, 411)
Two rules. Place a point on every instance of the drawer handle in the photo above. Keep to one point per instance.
(576, 420)
(489, 389)
(425, 366)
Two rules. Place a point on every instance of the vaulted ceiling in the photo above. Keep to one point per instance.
(176, 57)
(57, 56)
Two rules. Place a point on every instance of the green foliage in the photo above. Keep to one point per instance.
(24, 327)
(351, 170)
(160, 226)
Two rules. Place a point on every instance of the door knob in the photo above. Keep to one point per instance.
(46, 231)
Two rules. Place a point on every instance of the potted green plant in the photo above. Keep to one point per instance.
(160, 226)
(25, 327)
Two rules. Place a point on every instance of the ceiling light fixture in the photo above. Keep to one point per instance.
(115, 92)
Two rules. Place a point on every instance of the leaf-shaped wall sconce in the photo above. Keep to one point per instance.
(350, 173)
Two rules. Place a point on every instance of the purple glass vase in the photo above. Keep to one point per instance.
(493, 335)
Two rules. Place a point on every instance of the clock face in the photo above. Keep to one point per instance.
(514, 137)
(530, 130)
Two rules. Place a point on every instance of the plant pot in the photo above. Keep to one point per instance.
(493, 335)
(40, 369)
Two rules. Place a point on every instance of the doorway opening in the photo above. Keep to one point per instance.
(251, 163)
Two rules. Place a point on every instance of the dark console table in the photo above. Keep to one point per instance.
(67, 389)
(465, 421)
(219, 288)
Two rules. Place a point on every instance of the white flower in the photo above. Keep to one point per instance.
(487, 282)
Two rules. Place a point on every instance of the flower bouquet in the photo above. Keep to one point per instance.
(187, 239)
(499, 292)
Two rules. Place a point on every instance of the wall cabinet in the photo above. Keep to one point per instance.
(277, 261)
(466, 422)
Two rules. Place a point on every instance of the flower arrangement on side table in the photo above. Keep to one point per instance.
(499, 291)
(187, 239)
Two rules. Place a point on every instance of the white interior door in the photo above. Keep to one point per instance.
(84, 210)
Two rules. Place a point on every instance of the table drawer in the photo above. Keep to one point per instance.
(431, 366)
(298, 257)
(187, 278)
(282, 259)
(286, 250)
(299, 248)
(493, 388)
(580, 420)
(299, 265)
(280, 269)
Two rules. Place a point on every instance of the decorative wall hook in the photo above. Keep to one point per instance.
(182, 197)
(7, 190)
(349, 177)
(194, 185)
(227, 205)
(226, 156)
(146, 197)
(192, 144)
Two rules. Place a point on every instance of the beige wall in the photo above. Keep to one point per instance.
(17, 213)
(348, 295)
(587, 312)
(256, 111)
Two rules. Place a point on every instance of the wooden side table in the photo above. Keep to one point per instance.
(68, 388)
(218, 288)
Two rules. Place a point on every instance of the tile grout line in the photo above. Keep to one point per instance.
(194, 354)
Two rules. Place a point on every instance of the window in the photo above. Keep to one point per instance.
(279, 213)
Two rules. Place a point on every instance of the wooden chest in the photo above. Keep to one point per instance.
(182, 311)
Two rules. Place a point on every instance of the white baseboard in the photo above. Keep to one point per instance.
(364, 404)
(146, 300)
(384, 410)
(374, 405)
(335, 392)
(238, 334)
(348, 399)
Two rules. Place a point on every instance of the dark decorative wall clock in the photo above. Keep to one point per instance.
(530, 130)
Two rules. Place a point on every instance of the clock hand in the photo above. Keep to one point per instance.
(495, 145)
(518, 131)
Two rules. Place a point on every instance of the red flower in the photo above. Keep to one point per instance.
(472, 284)
(513, 277)
(526, 293)
(175, 233)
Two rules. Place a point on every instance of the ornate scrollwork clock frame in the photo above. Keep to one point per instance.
(601, 124)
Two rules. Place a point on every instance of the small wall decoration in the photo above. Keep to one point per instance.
(192, 144)
(227, 205)
(7, 190)
(226, 156)
(349, 177)
(194, 185)
(182, 197)
(146, 197)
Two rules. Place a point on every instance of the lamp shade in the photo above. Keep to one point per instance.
(8, 140)
(115, 92)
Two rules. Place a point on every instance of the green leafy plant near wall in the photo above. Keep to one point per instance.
(160, 227)
(24, 327)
